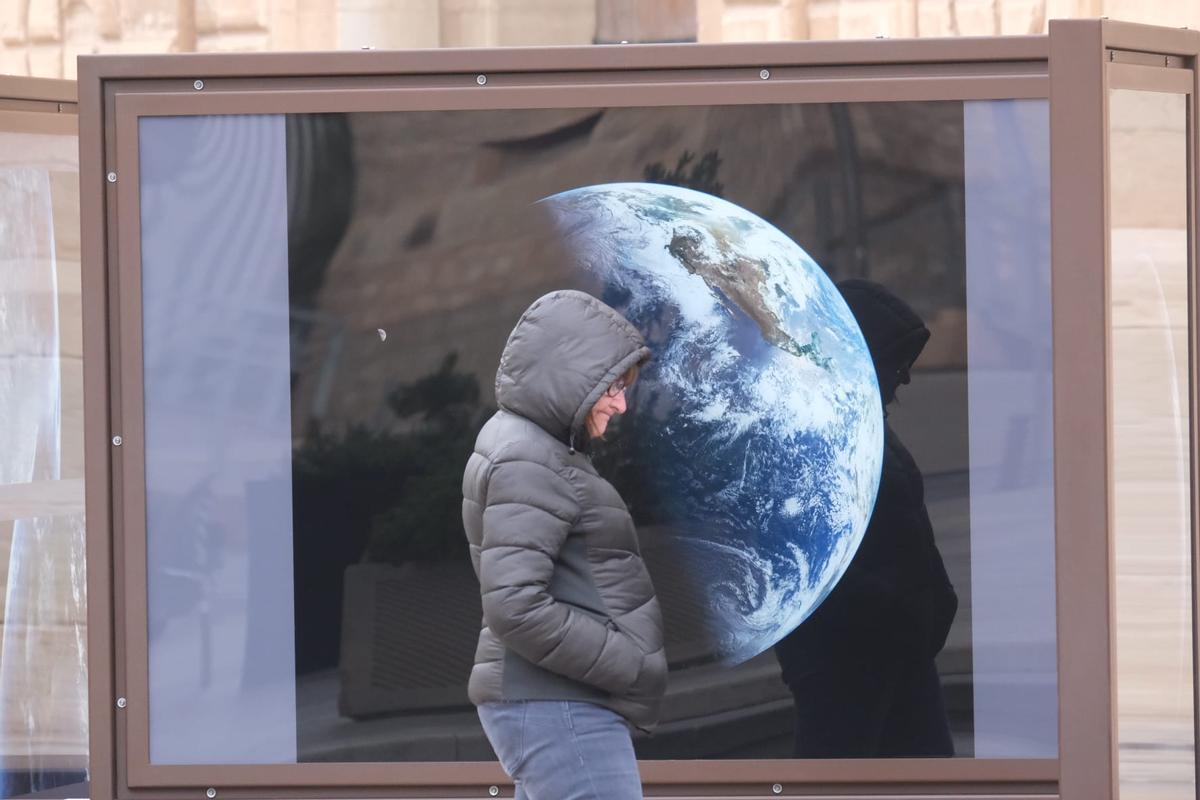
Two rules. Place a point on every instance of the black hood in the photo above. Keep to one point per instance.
(895, 334)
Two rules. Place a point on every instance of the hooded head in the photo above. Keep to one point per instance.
(895, 334)
(565, 351)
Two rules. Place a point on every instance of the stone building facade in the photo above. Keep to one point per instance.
(43, 37)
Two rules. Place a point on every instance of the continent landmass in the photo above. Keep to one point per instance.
(739, 280)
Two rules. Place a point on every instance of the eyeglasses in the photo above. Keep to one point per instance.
(617, 387)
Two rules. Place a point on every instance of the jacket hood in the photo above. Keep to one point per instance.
(895, 334)
(565, 351)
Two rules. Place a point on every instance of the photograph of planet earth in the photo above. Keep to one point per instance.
(751, 453)
(760, 408)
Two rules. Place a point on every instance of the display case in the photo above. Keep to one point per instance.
(300, 272)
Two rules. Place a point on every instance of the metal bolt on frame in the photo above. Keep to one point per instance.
(198, 85)
(117, 441)
(777, 788)
(210, 793)
(122, 702)
(112, 177)
(765, 74)
(494, 791)
(481, 79)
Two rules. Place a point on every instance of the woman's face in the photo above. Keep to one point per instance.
(607, 407)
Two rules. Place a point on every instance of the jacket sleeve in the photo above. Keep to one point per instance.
(528, 512)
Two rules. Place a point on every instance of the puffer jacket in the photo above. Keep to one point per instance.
(569, 611)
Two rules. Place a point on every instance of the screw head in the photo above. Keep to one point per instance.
(117, 442)
(777, 788)
(481, 79)
(494, 791)
(112, 177)
(122, 702)
(210, 793)
(198, 85)
(765, 74)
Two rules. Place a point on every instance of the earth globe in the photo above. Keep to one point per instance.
(751, 454)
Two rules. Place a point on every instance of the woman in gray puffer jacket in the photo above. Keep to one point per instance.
(570, 657)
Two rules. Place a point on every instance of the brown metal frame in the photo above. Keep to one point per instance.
(38, 105)
(1087, 60)
(1066, 67)
(36, 94)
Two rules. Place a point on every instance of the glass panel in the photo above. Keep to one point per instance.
(1010, 380)
(312, 595)
(1152, 482)
(218, 451)
(43, 679)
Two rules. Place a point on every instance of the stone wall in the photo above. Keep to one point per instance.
(43, 37)
(438, 253)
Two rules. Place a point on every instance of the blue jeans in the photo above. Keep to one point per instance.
(563, 750)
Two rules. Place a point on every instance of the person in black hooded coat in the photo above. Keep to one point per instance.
(861, 668)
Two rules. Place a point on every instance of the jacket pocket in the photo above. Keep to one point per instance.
(652, 679)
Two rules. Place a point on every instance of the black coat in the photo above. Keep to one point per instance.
(895, 600)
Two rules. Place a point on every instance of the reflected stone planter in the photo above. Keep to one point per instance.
(408, 637)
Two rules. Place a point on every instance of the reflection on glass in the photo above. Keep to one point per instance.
(1010, 401)
(43, 681)
(862, 668)
(1151, 429)
(218, 450)
(310, 584)
(456, 257)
